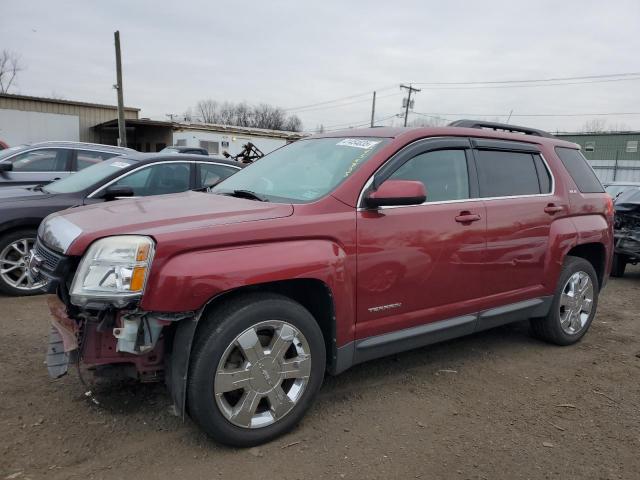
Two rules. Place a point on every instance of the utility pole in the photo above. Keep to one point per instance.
(122, 130)
(373, 109)
(406, 109)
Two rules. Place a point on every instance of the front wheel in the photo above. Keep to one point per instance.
(257, 365)
(15, 277)
(574, 304)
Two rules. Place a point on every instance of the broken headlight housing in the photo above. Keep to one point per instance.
(114, 270)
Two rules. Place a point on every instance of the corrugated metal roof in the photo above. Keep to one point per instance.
(63, 101)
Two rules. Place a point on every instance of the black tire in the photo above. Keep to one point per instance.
(6, 240)
(619, 265)
(222, 326)
(549, 328)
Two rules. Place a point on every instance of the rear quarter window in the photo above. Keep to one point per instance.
(579, 169)
(504, 174)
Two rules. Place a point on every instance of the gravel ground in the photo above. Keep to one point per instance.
(498, 404)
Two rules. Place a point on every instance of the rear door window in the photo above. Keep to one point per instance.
(505, 174)
(579, 169)
(86, 158)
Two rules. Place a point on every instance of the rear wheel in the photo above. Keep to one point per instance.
(574, 304)
(15, 277)
(257, 365)
(619, 265)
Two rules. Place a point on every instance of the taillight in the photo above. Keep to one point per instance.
(610, 210)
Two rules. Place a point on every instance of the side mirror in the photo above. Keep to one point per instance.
(397, 192)
(6, 167)
(111, 193)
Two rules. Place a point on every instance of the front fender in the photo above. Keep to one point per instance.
(187, 281)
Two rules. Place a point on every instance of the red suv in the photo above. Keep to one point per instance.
(328, 252)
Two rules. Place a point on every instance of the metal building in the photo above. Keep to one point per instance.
(615, 156)
(25, 119)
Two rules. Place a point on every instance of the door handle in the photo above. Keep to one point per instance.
(552, 209)
(467, 217)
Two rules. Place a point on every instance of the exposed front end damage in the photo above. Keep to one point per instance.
(110, 342)
(627, 226)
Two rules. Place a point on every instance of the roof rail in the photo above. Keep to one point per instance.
(500, 126)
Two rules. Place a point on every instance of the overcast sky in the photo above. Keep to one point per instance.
(295, 53)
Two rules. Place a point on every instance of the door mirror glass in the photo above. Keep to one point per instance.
(115, 191)
(397, 192)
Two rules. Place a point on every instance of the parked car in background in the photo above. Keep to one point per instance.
(139, 175)
(183, 149)
(331, 251)
(616, 188)
(46, 162)
(626, 230)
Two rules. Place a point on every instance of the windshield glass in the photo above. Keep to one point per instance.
(303, 171)
(89, 176)
(11, 150)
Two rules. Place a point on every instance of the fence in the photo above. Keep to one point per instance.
(617, 170)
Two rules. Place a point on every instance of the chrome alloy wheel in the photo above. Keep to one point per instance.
(262, 374)
(576, 302)
(14, 265)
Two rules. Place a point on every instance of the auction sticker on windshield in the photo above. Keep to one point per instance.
(120, 164)
(358, 143)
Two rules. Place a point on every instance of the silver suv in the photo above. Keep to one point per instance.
(44, 162)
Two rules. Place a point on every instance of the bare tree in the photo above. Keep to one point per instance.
(596, 125)
(245, 115)
(207, 110)
(428, 122)
(10, 66)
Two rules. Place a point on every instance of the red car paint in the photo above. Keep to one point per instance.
(430, 262)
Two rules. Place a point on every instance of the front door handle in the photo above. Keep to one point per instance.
(552, 209)
(467, 217)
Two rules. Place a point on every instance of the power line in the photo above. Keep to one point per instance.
(339, 99)
(342, 126)
(555, 79)
(599, 114)
(326, 107)
(475, 87)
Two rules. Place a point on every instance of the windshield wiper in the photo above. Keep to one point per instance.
(246, 194)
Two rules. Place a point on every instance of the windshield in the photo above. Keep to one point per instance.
(89, 176)
(303, 171)
(7, 152)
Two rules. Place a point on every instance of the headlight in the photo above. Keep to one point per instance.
(114, 269)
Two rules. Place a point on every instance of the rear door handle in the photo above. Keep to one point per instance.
(467, 217)
(552, 209)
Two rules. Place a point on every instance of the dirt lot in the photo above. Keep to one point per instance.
(495, 405)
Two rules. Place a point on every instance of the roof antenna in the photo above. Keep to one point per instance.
(509, 117)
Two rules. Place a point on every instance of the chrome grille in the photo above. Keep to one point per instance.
(50, 260)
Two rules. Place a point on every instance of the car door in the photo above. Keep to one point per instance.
(210, 174)
(154, 179)
(40, 165)
(518, 190)
(423, 263)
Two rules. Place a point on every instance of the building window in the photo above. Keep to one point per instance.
(632, 146)
(211, 147)
(181, 143)
(589, 146)
(226, 144)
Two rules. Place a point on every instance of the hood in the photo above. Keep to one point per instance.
(164, 214)
(628, 202)
(20, 194)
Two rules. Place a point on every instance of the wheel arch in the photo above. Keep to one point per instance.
(595, 254)
(313, 294)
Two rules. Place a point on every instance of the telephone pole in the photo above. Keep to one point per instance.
(373, 109)
(406, 108)
(122, 130)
